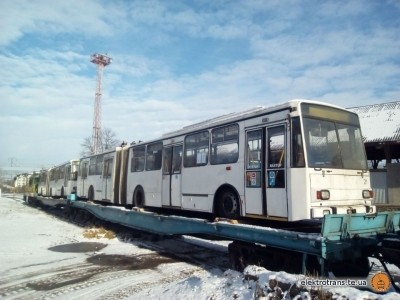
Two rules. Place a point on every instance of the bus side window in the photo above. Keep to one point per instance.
(68, 172)
(276, 157)
(177, 160)
(153, 157)
(138, 156)
(225, 144)
(196, 149)
(105, 168)
(92, 166)
(99, 165)
(167, 161)
(297, 144)
(84, 170)
(254, 148)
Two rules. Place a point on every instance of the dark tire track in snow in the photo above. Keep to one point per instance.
(106, 282)
(104, 276)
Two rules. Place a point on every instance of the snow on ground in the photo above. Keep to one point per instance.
(43, 257)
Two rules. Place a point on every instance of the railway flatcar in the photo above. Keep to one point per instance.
(294, 161)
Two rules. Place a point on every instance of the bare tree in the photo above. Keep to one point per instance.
(87, 146)
(108, 141)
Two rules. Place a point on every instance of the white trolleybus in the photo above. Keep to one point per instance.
(43, 183)
(61, 180)
(98, 178)
(294, 161)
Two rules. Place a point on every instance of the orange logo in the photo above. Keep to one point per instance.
(380, 282)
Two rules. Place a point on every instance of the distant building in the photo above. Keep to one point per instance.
(21, 180)
(380, 125)
(26, 182)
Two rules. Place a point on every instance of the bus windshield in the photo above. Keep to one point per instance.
(333, 144)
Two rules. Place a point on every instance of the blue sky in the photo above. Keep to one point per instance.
(180, 62)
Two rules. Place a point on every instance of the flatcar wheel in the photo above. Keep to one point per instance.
(236, 256)
(228, 204)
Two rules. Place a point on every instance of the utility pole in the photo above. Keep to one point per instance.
(101, 61)
(12, 161)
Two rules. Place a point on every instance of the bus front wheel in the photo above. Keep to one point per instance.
(228, 204)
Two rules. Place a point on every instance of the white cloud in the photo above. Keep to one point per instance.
(20, 17)
(176, 63)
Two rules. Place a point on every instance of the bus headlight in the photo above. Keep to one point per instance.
(323, 195)
(367, 194)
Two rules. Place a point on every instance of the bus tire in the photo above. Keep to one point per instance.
(91, 193)
(227, 205)
(138, 197)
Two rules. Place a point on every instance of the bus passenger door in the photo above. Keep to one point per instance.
(255, 157)
(277, 204)
(82, 191)
(107, 179)
(67, 177)
(172, 176)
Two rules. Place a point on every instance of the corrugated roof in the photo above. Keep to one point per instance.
(379, 122)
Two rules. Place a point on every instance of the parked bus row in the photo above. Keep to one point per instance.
(294, 161)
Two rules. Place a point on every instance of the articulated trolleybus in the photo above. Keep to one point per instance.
(294, 161)
(59, 181)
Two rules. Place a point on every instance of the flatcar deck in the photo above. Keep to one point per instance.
(344, 242)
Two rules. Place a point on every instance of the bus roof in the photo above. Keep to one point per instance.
(63, 164)
(236, 116)
(233, 117)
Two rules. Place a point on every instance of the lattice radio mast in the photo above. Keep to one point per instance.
(101, 61)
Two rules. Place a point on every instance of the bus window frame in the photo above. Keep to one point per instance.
(224, 141)
(197, 159)
(137, 159)
(155, 157)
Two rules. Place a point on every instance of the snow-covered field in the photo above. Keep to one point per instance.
(43, 257)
